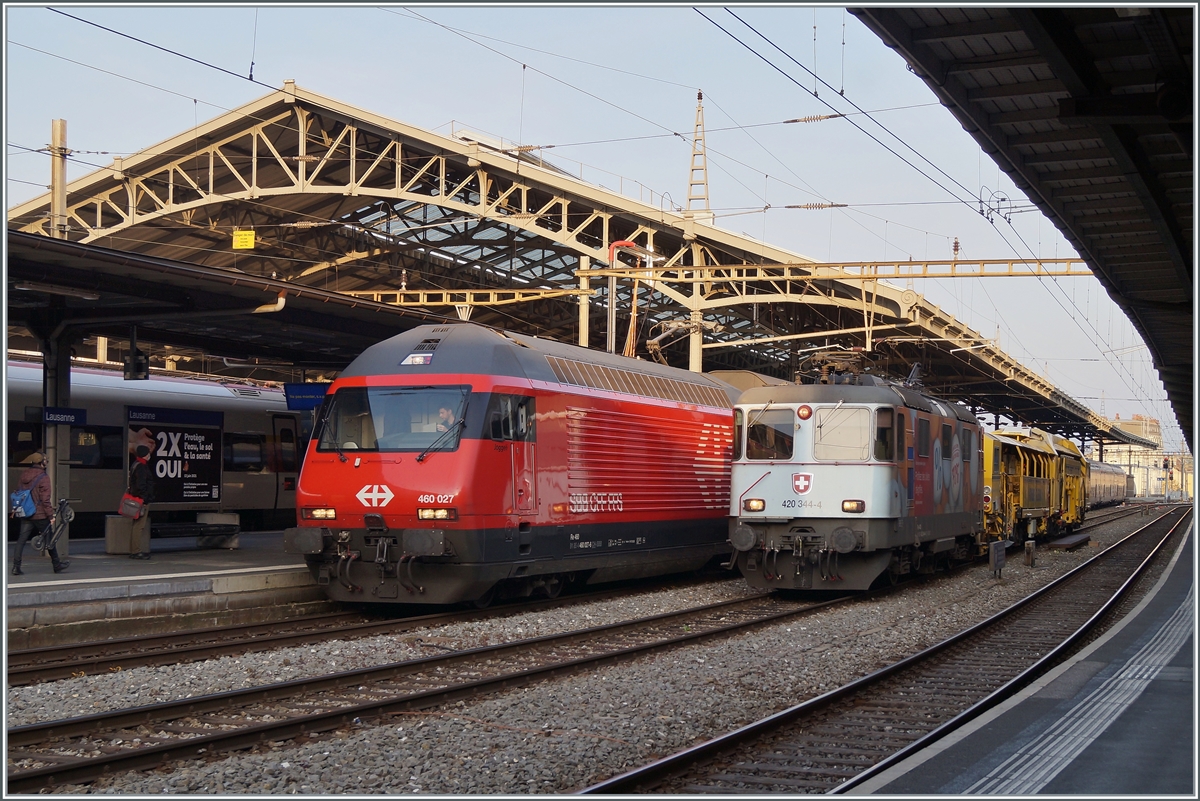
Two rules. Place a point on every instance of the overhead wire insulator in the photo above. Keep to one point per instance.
(815, 118)
(817, 206)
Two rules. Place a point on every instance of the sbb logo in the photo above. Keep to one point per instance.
(375, 495)
(801, 482)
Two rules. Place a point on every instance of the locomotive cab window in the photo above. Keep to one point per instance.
(885, 443)
(511, 418)
(842, 434)
(947, 442)
(391, 419)
(770, 434)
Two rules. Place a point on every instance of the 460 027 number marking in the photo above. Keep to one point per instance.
(431, 498)
(584, 502)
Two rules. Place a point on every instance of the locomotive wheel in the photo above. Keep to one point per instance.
(553, 587)
(485, 600)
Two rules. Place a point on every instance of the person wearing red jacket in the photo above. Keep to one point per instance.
(34, 478)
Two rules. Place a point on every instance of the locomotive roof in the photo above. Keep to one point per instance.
(466, 348)
(872, 390)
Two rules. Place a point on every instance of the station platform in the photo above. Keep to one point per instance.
(182, 586)
(1119, 718)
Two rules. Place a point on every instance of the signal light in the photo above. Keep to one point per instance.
(754, 505)
(854, 506)
(804, 412)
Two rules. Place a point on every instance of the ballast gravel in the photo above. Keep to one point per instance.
(564, 734)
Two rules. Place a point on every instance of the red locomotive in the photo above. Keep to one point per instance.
(457, 463)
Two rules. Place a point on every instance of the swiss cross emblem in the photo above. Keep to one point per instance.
(801, 482)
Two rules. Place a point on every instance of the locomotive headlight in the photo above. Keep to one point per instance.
(857, 507)
(804, 412)
(754, 504)
(322, 513)
(437, 514)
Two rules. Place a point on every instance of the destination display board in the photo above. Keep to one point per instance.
(185, 451)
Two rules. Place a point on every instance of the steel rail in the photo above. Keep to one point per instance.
(639, 779)
(73, 770)
(96, 657)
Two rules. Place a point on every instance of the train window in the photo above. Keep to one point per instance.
(995, 458)
(922, 436)
(97, 447)
(393, 419)
(23, 440)
(512, 417)
(739, 424)
(770, 433)
(243, 453)
(901, 453)
(968, 445)
(842, 434)
(947, 442)
(287, 450)
(885, 445)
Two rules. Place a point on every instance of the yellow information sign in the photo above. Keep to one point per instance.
(243, 240)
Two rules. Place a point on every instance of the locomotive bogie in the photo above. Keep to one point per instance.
(538, 480)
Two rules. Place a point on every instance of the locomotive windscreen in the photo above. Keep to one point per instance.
(383, 419)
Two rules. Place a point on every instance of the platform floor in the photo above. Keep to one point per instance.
(1118, 719)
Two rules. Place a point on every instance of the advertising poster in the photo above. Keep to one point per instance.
(185, 452)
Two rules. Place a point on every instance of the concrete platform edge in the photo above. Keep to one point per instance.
(881, 781)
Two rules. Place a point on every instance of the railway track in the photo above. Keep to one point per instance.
(832, 742)
(79, 750)
(34, 665)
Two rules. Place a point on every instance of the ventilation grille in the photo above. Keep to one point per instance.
(426, 346)
(245, 392)
(613, 379)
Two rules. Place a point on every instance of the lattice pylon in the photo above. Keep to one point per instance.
(697, 198)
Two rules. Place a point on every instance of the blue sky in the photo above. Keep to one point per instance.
(609, 87)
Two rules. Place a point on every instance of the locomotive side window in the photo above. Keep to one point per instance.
(389, 419)
(947, 442)
(885, 450)
(770, 434)
(901, 453)
(512, 417)
(968, 445)
(842, 434)
(922, 436)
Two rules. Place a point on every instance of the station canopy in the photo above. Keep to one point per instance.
(1090, 112)
(298, 230)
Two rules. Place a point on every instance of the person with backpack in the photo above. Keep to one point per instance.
(37, 482)
(141, 486)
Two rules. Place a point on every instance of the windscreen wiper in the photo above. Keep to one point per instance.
(449, 429)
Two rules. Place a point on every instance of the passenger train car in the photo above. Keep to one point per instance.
(458, 463)
(257, 466)
(837, 484)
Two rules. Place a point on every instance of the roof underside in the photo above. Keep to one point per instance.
(345, 201)
(1089, 111)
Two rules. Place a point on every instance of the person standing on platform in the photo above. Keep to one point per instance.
(141, 485)
(35, 480)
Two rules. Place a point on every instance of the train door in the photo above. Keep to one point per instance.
(287, 460)
(524, 455)
(904, 463)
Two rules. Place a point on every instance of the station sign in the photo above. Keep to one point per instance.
(52, 415)
(185, 451)
(302, 397)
